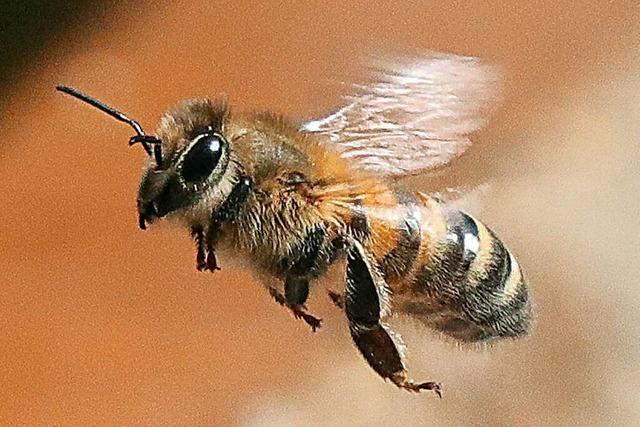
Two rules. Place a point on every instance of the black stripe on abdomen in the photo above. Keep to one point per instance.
(480, 297)
(485, 301)
(444, 275)
(468, 291)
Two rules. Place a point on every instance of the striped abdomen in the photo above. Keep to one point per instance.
(452, 272)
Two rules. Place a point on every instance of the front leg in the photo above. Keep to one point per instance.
(205, 253)
(226, 213)
(362, 303)
(296, 291)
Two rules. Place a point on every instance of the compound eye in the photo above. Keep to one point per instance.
(202, 158)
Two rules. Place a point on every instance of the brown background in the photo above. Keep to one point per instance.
(101, 323)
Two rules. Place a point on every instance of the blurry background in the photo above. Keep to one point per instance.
(101, 323)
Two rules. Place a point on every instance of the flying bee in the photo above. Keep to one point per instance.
(295, 199)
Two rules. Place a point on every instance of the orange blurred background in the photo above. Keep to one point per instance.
(103, 324)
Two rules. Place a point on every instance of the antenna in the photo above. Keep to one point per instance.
(142, 138)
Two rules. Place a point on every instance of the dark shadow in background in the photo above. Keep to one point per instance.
(26, 26)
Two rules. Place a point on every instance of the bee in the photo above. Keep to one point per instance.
(296, 199)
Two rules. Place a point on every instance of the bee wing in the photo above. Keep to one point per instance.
(416, 114)
(466, 198)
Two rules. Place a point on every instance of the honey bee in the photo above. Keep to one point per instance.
(295, 199)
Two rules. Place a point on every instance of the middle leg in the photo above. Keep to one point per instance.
(296, 291)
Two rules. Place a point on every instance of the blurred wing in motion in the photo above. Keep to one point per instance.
(416, 115)
(466, 198)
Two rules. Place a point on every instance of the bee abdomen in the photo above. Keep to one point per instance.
(474, 286)
(399, 261)
(496, 296)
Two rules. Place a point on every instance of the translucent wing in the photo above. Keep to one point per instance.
(416, 115)
(466, 198)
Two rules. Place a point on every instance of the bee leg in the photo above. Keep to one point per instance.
(337, 299)
(206, 256)
(201, 251)
(364, 290)
(205, 253)
(277, 295)
(310, 319)
(212, 261)
(296, 292)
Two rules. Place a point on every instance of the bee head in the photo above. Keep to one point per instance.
(193, 176)
(188, 171)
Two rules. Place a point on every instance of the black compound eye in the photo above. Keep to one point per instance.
(202, 158)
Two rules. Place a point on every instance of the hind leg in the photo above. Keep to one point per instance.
(362, 303)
